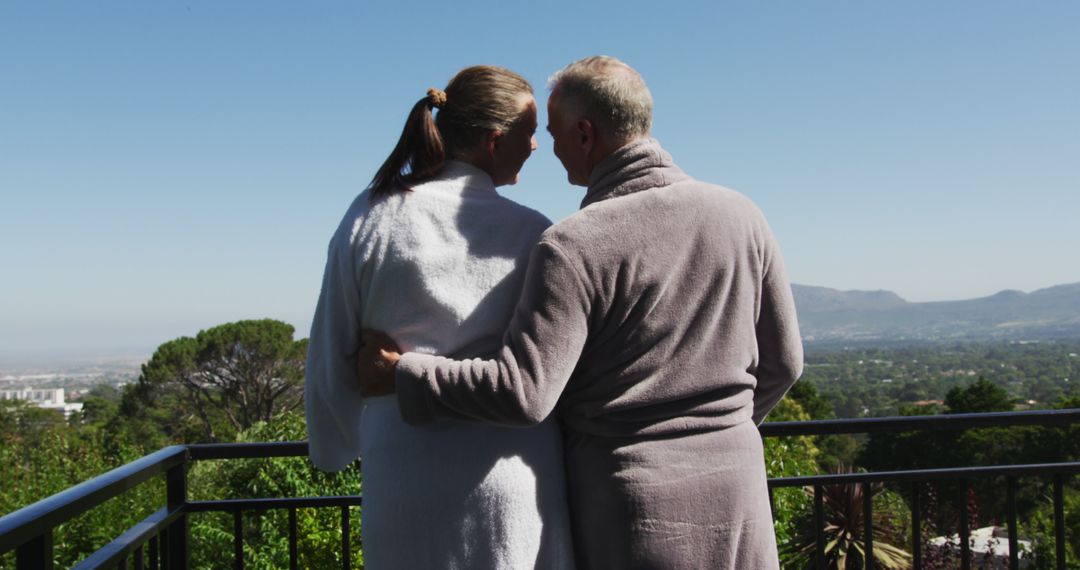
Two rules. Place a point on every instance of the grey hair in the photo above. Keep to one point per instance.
(608, 91)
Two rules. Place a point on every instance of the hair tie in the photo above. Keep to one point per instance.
(437, 97)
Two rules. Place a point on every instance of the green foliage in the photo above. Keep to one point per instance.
(911, 450)
(877, 381)
(41, 455)
(833, 450)
(266, 533)
(240, 376)
(222, 381)
(1041, 531)
(845, 542)
(54, 456)
(991, 446)
(982, 396)
(811, 401)
(789, 457)
(836, 450)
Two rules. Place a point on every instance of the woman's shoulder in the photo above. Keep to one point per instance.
(524, 214)
(361, 217)
(358, 210)
(512, 221)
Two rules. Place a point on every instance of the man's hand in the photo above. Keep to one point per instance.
(376, 363)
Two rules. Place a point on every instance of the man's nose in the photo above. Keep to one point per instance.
(532, 143)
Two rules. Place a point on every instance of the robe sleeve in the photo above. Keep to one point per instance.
(780, 352)
(522, 383)
(332, 398)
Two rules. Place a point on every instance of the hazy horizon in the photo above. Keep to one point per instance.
(95, 350)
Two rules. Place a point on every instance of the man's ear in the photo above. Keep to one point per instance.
(586, 133)
(492, 141)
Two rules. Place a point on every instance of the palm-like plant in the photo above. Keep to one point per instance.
(845, 546)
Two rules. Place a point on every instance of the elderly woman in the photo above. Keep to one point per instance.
(433, 255)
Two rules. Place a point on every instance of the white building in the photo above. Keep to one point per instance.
(48, 398)
(989, 544)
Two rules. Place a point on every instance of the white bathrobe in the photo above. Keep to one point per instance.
(440, 270)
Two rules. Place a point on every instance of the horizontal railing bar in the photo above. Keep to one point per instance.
(770, 429)
(42, 516)
(940, 422)
(927, 474)
(201, 451)
(133, 538)
(229, 505)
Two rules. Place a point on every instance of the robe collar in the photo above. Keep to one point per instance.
(640, 165)
(460, 177)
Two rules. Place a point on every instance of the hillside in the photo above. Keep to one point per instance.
(831, 315)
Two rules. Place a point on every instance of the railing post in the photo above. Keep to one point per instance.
(155, 560)
(36, 553)
(1059, 521)
(238, 540)
(294, 557)
(916, 526)
(965, 530)
(819, 529)
(868, 526)
(176, 551)
(346, 558)
(1014, 542)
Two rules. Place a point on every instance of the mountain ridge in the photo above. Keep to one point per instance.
(827, 314)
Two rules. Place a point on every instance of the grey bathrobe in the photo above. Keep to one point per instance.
(659, 321)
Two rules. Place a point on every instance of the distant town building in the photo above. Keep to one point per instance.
(48, 398)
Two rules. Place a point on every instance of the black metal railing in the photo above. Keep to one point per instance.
(918, 478)
(160, 540)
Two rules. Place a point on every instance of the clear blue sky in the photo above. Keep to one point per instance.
(169, 166)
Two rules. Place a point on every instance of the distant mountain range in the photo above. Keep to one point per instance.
(827, 315)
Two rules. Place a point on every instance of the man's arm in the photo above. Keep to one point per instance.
(523, 382)
(780, 352)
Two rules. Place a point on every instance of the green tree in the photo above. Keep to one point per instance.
(805, 392)
(981, 396)
(25, 423)
(100, 404)
(223, 381)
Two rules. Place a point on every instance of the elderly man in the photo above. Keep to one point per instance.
(658, 321)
